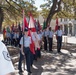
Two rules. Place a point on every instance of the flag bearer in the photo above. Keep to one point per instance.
(25, 49)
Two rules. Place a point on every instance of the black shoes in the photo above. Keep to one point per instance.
(20, 71)
(29, 72)
(50, 51)
(59, 51)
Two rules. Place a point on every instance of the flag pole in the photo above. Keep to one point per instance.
(23, 30)
(23, 20)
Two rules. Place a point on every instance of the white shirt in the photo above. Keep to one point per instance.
(50, 34)
(15, 35)
(59, 32)
(27, 41)
(6, 65)
(33, 37)
(46, 33)
(8, 34)
(38, 35)
(42, 33)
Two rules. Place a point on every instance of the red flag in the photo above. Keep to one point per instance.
(12, 27)
(39, 26)
(4, 33)
(32, 46)
(25, 24)
(56, 27)
(33, 30)
(31, 23)
(4, 30)
(32, 27)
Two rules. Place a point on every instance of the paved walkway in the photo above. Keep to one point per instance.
(54, 63)
(69, 39)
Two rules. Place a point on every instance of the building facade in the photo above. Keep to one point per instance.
(68, 25)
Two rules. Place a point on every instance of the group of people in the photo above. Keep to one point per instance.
(24, 41)
(12, 35)
(46, 36)
(26, 52)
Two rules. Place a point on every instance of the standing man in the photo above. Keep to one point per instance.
(17, 35)
(15, 38)
(6, 66)
(50, 39)
(8, 34)
(25, 49)
(59, 34)
(45, 35)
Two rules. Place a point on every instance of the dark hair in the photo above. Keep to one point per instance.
(26, 29)
(50, 28)
(58, 27)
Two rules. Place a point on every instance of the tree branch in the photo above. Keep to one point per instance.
(17, 4)
(64, 14)
(12, 5)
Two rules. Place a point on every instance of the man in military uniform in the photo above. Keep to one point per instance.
(50, 38)
(25, 49)
(59, 34)
(45, 35)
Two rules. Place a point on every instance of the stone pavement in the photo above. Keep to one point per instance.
(54, 63)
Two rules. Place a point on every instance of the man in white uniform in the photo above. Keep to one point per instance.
(45, 35)
(59, 34)
(6, 66)
(50, 39)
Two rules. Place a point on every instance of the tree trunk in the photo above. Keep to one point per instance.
(54, 9)
(74, 2)
(1, 18)
(49, 18)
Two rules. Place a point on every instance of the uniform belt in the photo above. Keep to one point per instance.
(50, 37)
(59, 36)
(26, 47)
(45, 37)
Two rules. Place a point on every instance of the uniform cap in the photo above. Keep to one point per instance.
(26, 29)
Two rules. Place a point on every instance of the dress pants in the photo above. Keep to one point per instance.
(50, 43)
(59, 43)
(28, 58)
(20, 61)
(45, 43)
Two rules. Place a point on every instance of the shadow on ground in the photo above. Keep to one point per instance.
(56, 64)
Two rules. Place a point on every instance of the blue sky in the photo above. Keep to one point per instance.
(38, 3)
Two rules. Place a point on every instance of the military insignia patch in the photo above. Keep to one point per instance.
(6, 56)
